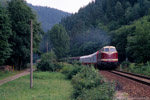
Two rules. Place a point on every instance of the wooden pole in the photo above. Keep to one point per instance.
(31, 58)
(47, 46)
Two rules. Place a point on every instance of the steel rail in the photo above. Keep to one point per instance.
(136, 77)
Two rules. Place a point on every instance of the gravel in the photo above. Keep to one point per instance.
(136, 91)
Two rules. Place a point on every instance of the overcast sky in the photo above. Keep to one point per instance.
(70, 6)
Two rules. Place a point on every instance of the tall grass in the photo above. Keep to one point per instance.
(47, 86)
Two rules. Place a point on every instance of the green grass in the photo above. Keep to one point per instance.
(47, 86)
(5, 74)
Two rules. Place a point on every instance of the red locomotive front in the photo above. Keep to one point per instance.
(108, 57)
(109, 54)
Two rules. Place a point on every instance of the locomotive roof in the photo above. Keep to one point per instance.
(109, 47)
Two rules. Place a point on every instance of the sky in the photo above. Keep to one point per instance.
(70, 6)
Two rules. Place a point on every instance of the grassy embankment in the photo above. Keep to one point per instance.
(47, 86)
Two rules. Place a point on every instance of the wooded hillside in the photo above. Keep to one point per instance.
(115, 18)
(48, 16)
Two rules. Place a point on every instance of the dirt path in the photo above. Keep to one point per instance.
(23, 73)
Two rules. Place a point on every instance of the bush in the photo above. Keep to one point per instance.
(66, 68)
(140, 68)
(125, 64)
(71, 70)
(48, 61)
(45, 66)
(87, 78)
(102, 92)
(89, 85)
(59, 66)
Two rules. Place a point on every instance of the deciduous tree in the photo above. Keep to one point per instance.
(60, 40)
(5, 32)
(21, 15)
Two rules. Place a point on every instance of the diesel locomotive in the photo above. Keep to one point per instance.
(105, 58)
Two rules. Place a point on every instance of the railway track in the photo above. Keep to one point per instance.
(137, 88)
(136, 77)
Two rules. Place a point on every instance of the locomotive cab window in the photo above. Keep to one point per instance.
(112, 50)
(106, 49)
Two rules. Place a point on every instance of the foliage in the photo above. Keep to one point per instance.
(140, 68)
(5, 33)
(47, 86)
(88, 84)
(125, 64)
(102, 92)
(60, 40)
(139, 42)
(132, 41)
(3, 3)
(21, 15)
(119, 39)
(47, 62)
(71, 70)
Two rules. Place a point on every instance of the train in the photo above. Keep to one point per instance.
(105, 58)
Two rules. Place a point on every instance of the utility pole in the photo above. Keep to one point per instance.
(47, 46)
(31, 58)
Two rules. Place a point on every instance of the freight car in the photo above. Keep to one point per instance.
(105, 58)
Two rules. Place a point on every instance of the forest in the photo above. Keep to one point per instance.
(124, 24)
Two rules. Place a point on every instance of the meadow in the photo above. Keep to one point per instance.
(46, 86)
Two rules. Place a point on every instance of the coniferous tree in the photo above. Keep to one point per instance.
(119, 11)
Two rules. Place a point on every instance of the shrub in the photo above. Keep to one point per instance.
(67, 68)
(75, 62)
(48, 61)
(59, 66)
(45, 66)
(125, 64)
(140, 68)
(71, 70)
(87, 78)
(102, 92)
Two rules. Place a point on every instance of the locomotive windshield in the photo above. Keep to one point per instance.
(112, 50)
(106, 49)
(109, 50)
